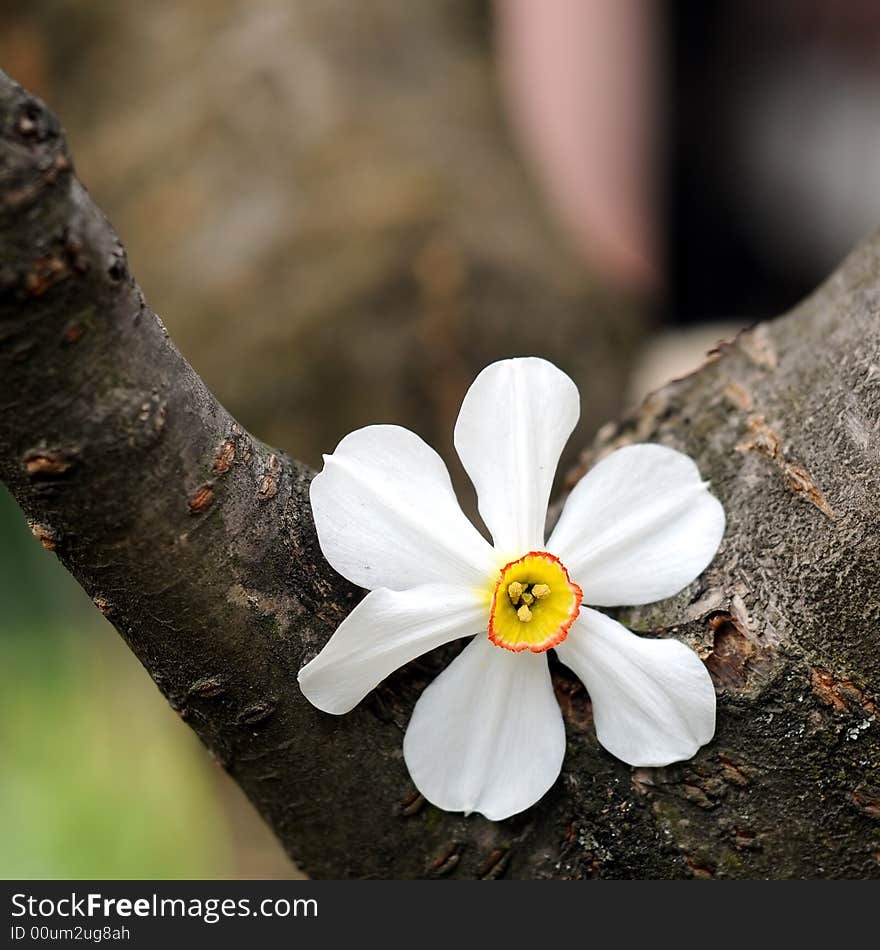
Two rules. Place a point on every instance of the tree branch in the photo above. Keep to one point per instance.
(196, 541)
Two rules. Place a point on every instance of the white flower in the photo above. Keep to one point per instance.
(487, 735)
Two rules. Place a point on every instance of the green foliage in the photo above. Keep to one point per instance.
(82, 797)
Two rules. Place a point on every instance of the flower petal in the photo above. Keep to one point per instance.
(653, 700)
(386, 630)
(638, 527)
(487, 735)
(387, 516)
(512, 427)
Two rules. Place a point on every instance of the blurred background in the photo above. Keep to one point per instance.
(343, 211)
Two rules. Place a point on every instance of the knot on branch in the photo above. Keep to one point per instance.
(34, 151)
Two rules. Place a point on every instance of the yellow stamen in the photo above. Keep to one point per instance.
(541, 591)
(528, 599)
(524, 614)
(514, 591)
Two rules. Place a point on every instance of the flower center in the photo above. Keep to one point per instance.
(534, 604)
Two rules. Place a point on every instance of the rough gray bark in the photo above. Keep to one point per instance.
(196, 541)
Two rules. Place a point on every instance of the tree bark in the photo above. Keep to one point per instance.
(196, 542)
